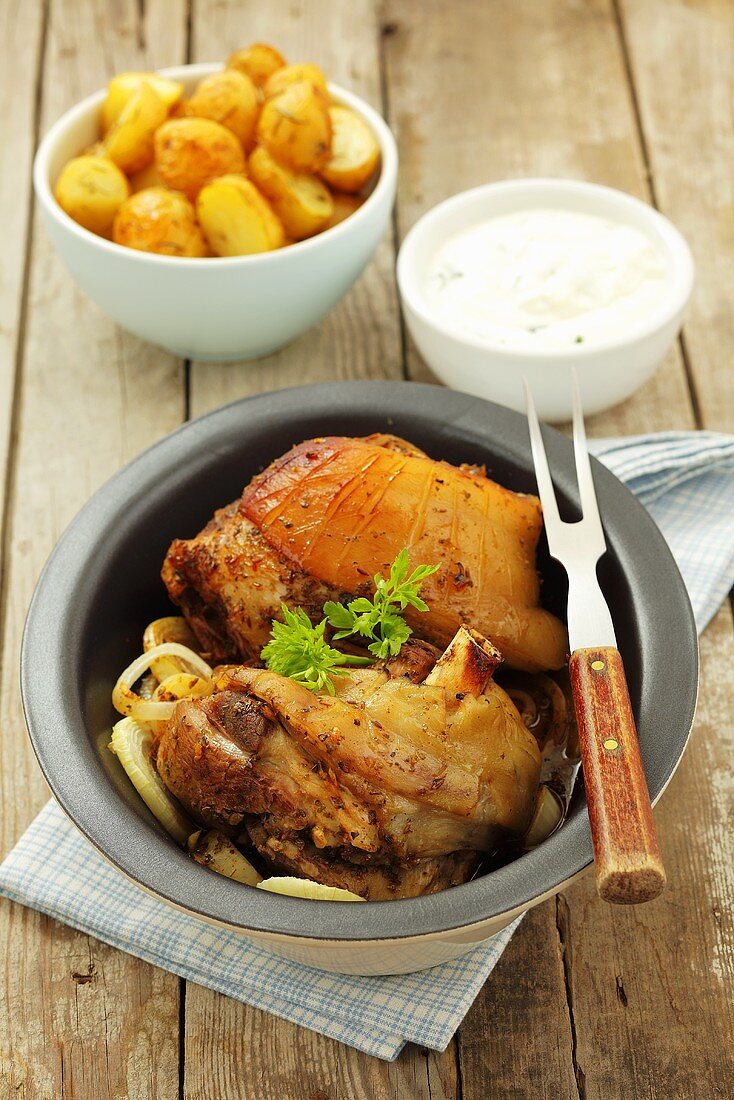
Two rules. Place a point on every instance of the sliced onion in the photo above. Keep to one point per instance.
(132, 744)
(182, 685)
(126, 701)
(526, 705)
(173, 628)
(217, 852)
(147, 687)
(305, 888)
(546, 819)
(558, 728)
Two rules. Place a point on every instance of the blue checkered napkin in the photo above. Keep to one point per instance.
(54, 869)
(687, 481)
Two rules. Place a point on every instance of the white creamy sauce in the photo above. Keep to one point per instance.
(546, 279)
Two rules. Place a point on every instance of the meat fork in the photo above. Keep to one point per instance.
(629, 867)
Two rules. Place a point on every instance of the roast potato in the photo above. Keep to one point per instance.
(146, 177)
(301, 201)
(182, 109)
(355, 153)
(129, 141)
(342, 206)
(282, 78)
(230, 98)
(191, 151)
(91, 189)
(122, 87)
(161, 221)
(295, 127)
(257, 61)
(236, 219)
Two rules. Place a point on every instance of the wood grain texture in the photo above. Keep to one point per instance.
(235, 1052)
(89, 399)
(628, 865)
(21, 44)
(536, 90)
(651, 985)
(651, 988)
(516, 1042)
(682, 62)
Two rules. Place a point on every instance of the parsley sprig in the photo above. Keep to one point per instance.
(380, 619)
(299, 650)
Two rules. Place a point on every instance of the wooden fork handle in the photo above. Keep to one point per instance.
(629, 867)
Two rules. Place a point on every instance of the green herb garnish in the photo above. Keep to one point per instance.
(299, 650)
(379, 619)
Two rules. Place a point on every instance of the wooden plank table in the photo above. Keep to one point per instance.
(589, 1001)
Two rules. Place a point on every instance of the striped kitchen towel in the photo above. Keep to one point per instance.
(686, 480)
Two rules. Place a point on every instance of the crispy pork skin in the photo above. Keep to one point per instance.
(319, 522)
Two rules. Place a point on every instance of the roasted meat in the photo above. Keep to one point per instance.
(319, 522)
(390, 788)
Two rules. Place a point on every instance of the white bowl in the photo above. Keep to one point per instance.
(220, 308)
(608, 372)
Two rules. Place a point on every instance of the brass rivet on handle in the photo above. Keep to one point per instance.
(597, 665)
(611, 745)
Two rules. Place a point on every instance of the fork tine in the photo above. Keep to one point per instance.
(542, 472)
(587, 492)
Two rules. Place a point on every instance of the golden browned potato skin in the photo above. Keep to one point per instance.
(342, 206)
(189, 152)
(341, 509)
(236, 219)
(258, 61)
(123, 86)
(302, 201)
(182, 109)
(309, 154)
(231, 99)
(355, 153)
(295, 127)
(96, 149)
(129, 141)
(161, 221)
(145, 178)
(294, 74)
(91, 189)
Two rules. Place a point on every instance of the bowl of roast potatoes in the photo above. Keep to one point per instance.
(218, 211)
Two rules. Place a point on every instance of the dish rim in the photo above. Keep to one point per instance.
(384, 182)
(677, 250)
(153, 860)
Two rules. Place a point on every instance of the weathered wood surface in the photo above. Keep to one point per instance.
(681, 58)
(78, 1019)
(589, 1000)
(21, 44)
